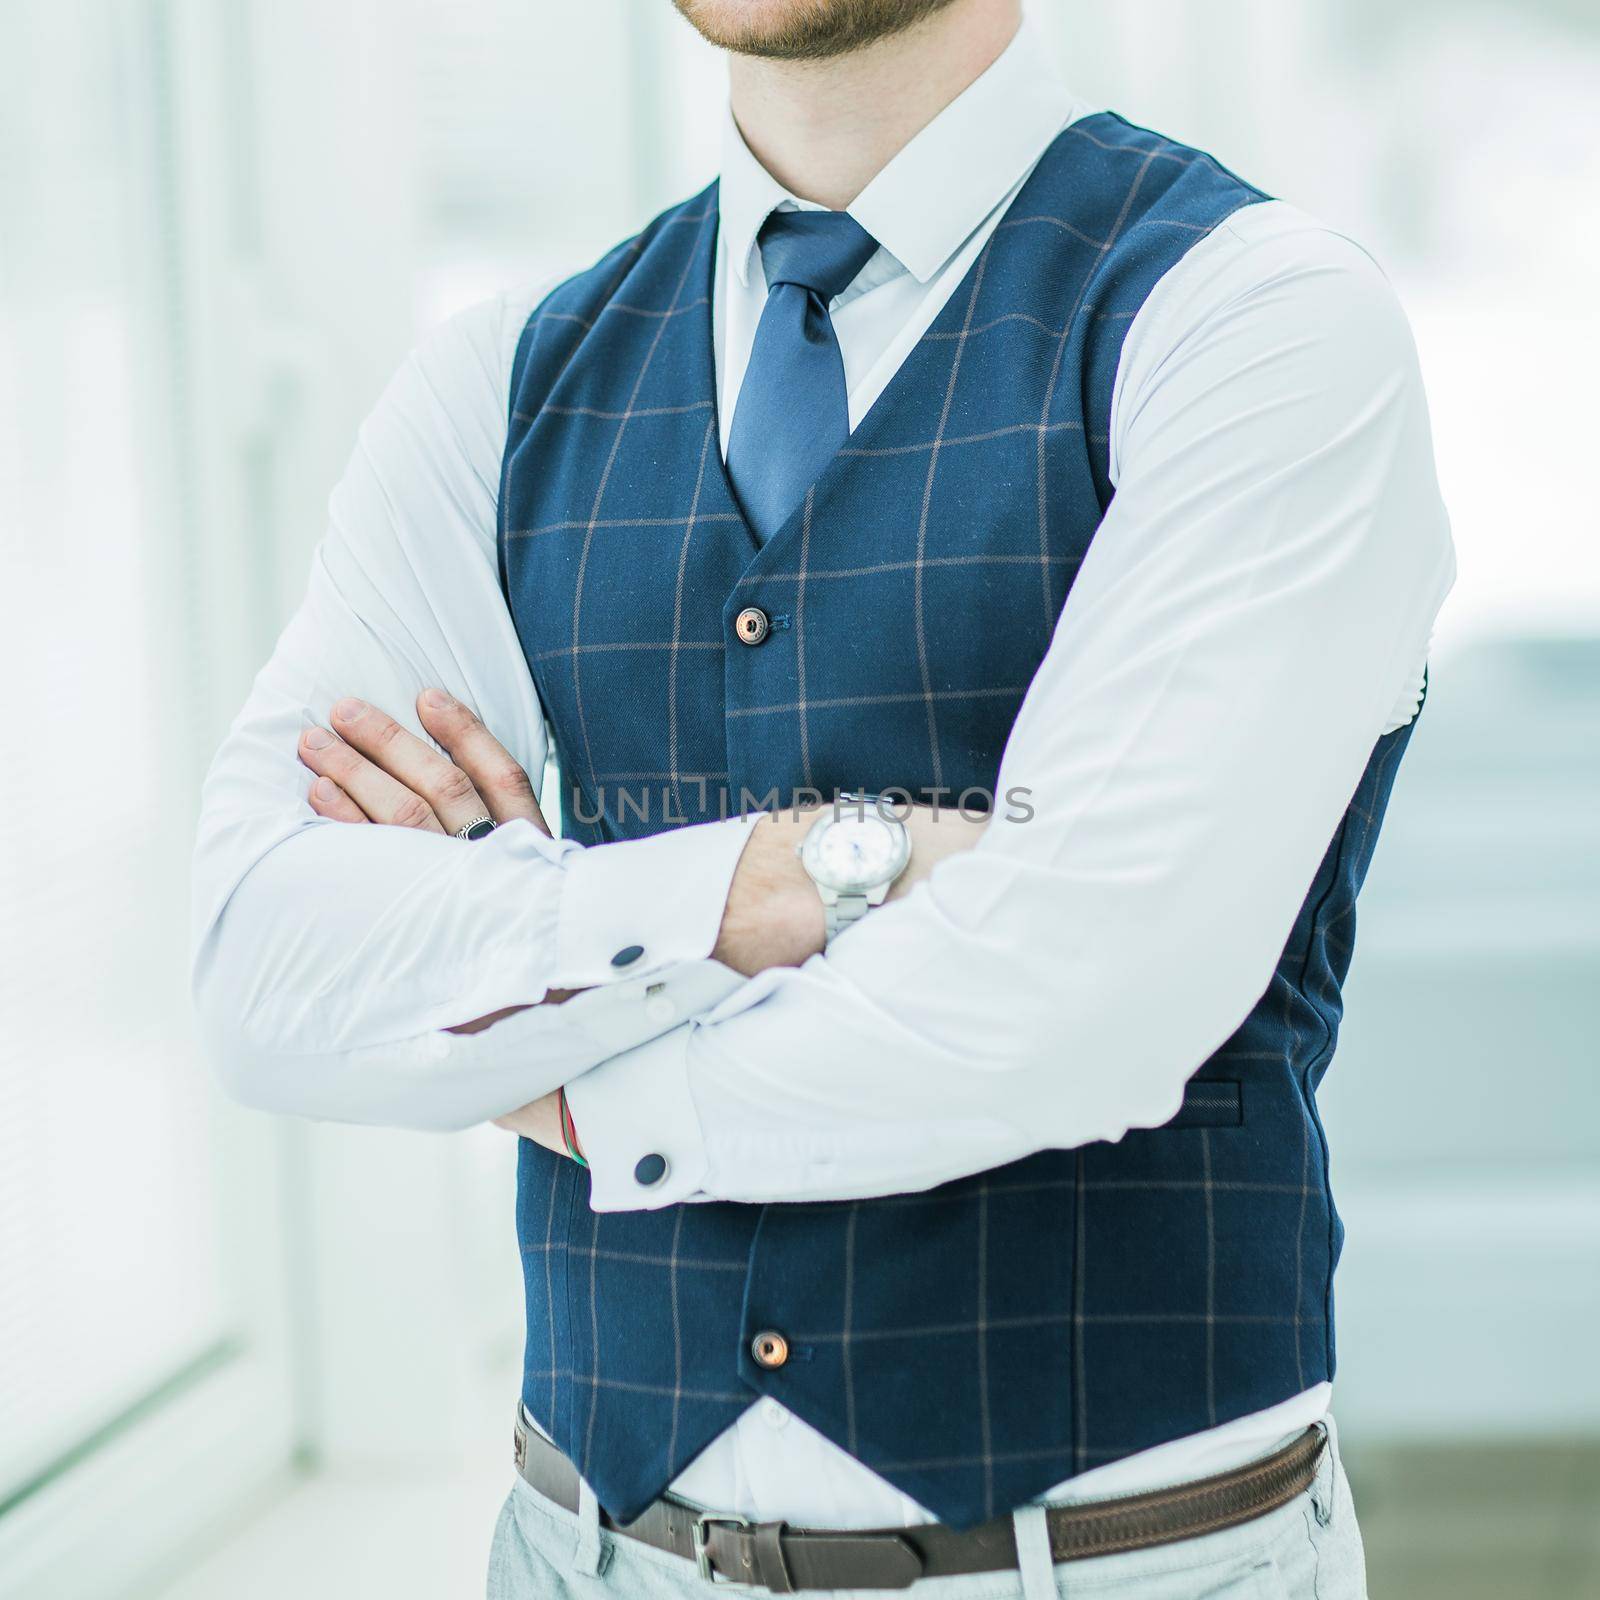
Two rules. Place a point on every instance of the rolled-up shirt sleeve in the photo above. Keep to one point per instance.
(329, 959)
(1253, 615)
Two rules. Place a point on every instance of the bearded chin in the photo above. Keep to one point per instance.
(803, 30)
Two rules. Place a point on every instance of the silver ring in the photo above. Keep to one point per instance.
(478, 828)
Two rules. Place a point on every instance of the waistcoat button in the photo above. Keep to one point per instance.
(752, 625)
(770, 1348)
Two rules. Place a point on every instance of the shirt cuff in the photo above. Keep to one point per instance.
(637, 1124)
(632, 909)
(633, 1010)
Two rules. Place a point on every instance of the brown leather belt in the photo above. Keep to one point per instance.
(783, 1560)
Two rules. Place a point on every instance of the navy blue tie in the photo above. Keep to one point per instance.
(792, 414)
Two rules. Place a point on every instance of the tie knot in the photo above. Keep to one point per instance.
(819, 250)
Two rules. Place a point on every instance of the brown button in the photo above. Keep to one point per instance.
(770, 1348)
(752, 625)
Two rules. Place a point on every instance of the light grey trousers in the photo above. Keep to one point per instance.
(1309, 1549)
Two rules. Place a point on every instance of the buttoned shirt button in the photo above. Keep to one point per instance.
(650, 1170)
(627, 955)
(774, 1415)
(770, 1348)
(752, 625)
(658, 1008)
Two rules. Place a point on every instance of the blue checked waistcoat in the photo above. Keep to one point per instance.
(980, 1342)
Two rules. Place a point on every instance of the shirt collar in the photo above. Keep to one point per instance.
(929, 198)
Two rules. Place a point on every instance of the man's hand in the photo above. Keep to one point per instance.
(377, 771)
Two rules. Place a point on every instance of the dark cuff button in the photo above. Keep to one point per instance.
(626, 956)
(752, 625)
(651, 1169)
(770, 1348)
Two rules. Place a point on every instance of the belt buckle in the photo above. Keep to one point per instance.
(702, 1556)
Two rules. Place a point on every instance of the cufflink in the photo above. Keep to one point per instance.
(650, 1170)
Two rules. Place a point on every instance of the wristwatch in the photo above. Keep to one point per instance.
(853, 853)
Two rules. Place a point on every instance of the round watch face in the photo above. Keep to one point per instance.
(853, 854)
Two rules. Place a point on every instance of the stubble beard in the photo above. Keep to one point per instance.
(805, 30)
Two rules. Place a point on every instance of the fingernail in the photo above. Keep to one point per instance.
(317, 738)
(349, 710)
(326, 790)
(436, 698)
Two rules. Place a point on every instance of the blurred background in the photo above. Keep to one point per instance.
(242, 1357)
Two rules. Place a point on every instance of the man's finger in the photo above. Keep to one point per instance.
(380, 797)
(450, 794)
(328, 800)
(494, 771)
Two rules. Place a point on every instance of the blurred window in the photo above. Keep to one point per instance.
(109, 1280)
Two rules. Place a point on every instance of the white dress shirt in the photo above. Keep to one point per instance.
(1253, 614)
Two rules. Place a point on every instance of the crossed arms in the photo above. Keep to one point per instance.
(1253, 614)
(371, 769)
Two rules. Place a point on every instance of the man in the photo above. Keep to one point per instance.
(933, 1170)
